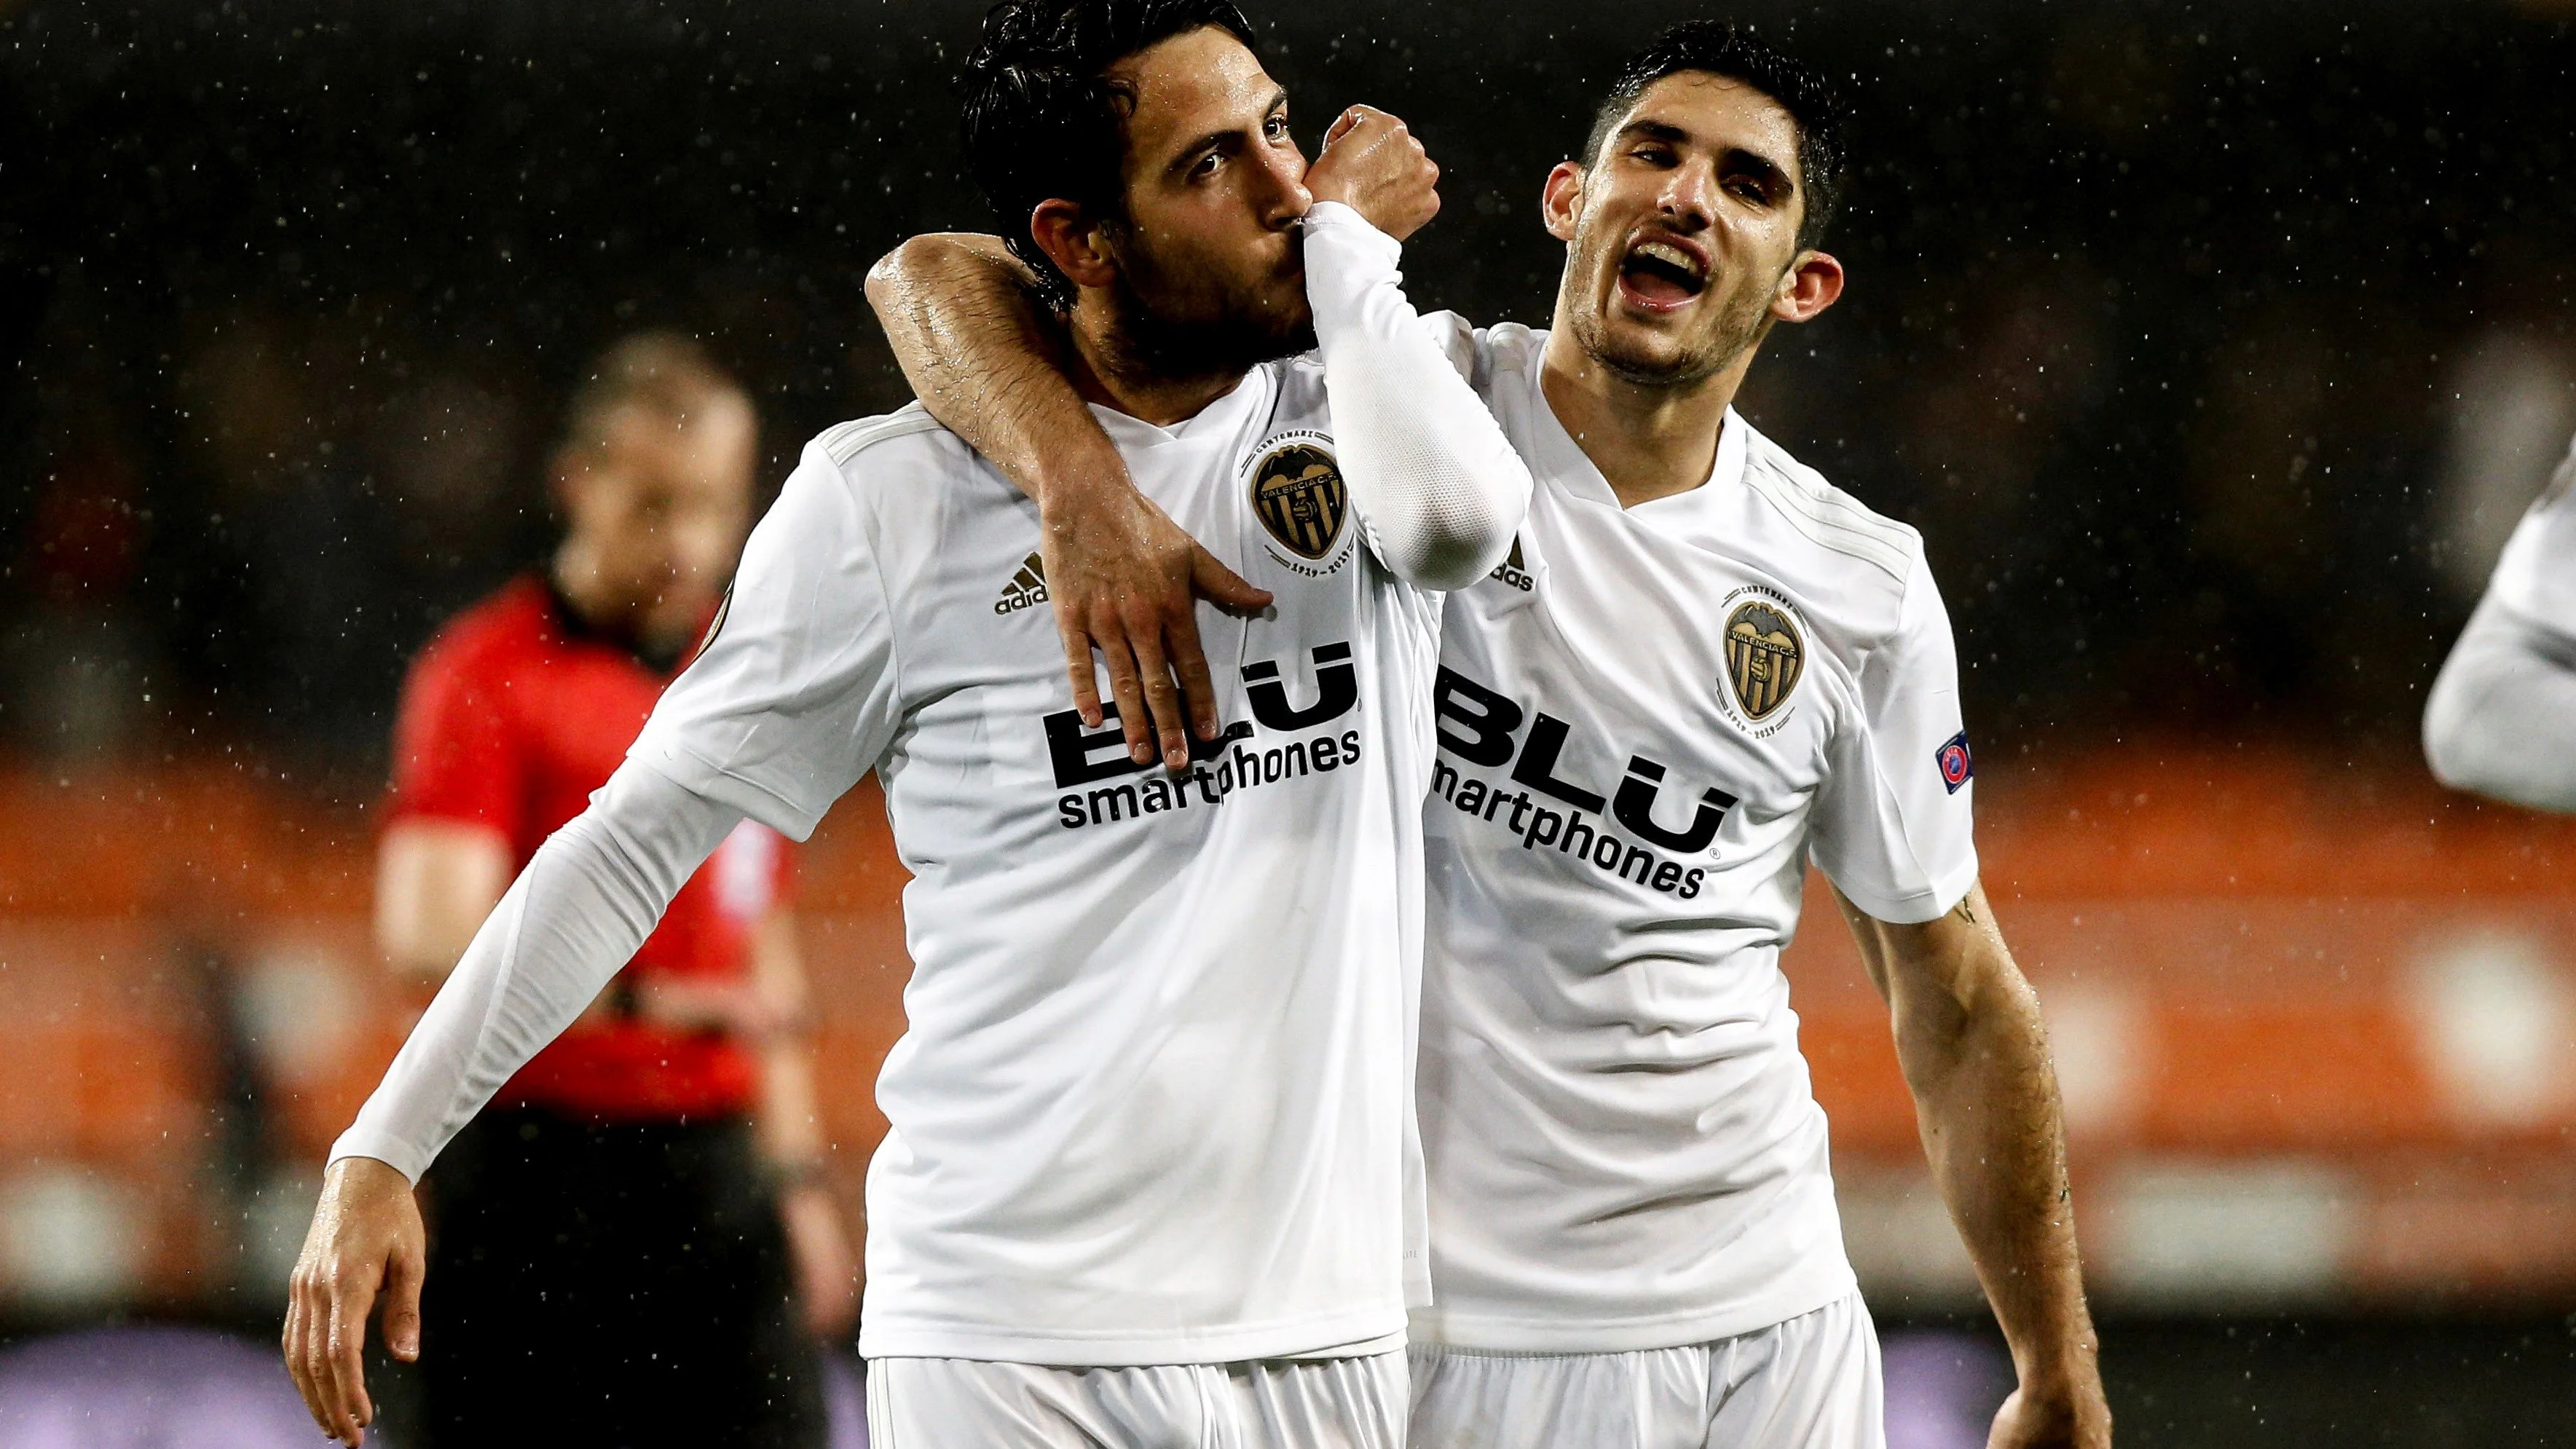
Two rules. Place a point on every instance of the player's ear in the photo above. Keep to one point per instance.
(1562, 200)
(1074, 242)
(1811, 284)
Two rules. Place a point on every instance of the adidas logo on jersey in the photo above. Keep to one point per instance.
(1512, 571)
(1026, 587)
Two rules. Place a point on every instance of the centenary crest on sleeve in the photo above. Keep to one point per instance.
(1298, 494)
(1764, 657)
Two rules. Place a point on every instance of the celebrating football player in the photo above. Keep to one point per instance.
(1701, 667)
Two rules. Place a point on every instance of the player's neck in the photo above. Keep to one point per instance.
(1107, 371)
(606, 613)
(1650, 440)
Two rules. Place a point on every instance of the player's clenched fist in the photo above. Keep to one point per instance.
(366, 1237)
(1373, 165)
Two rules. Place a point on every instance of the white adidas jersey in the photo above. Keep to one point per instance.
(2536, 577)
(1648, 721)
(1152, 1104)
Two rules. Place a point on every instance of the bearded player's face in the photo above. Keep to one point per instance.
(1208, 256)
(1683, 232)
(657, 511)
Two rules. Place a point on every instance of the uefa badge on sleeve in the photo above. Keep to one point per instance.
(1957, 766)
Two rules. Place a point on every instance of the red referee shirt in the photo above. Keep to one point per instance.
(511, 718)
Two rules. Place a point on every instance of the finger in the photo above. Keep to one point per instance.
(310, 1355)
(1132, 719)
(1161, 697)
(344, 1356)
(292, 1344)
(402, 1302)
(314, 1357)
(1078, 672)
(1189, 661)
(1212, 580)
(1344, 123)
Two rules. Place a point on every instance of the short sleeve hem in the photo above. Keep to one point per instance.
(1914, 908)
(686, 769)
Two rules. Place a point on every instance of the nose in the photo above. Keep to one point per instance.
(1287, 198)
(1689, 199)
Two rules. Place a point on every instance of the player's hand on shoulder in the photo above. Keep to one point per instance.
(366, 1239)
(1373, 164)
(1125, 580)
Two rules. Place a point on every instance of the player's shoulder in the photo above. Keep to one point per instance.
(898, 470)
(1482, 354)
(900, 444)
(1859, 546)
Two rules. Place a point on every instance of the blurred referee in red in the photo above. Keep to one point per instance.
(633, 1236)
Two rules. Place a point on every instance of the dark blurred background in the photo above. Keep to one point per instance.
(2213, 348)
(2188, 335)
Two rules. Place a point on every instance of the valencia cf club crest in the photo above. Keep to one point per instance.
(1764, 656)
(1957, 765)
(1298, 494)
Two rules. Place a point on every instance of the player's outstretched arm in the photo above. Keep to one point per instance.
(1975, 1054)
(2501, 719)
(1122, 577)
(1430, 471)
(577, 913)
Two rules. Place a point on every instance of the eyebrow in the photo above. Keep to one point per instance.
(1772, 176)
(1188, 155)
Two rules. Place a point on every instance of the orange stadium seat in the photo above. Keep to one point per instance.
(2243, 956)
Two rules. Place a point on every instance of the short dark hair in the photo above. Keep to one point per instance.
(1040, 120)
(669, 374)
(1724, 48)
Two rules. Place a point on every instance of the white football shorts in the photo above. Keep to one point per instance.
(1809, 1383)
(955, 1403)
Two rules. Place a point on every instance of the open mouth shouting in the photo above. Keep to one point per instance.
(1662, 272)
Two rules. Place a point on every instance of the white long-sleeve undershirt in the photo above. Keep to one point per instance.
(2501, 719)
(1431, 475)
(578, 913)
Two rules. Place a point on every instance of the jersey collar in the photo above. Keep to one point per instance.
(1217, 422)
(1562, 459)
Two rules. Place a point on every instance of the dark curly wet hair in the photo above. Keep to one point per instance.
(1042, 122)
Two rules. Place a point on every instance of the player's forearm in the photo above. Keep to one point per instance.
(791, 1119)
(2501, 719)
(1975, 1054)
(983, 360)
(436, 881)
(1429, 469)
(791, 1126)
(575, 915)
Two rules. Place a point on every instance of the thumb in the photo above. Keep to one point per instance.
(1222, 586)
(402, 1302)
(1344, 124)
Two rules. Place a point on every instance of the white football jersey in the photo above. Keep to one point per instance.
(1152, 1105)
(1649, 720)
(2536, 577)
